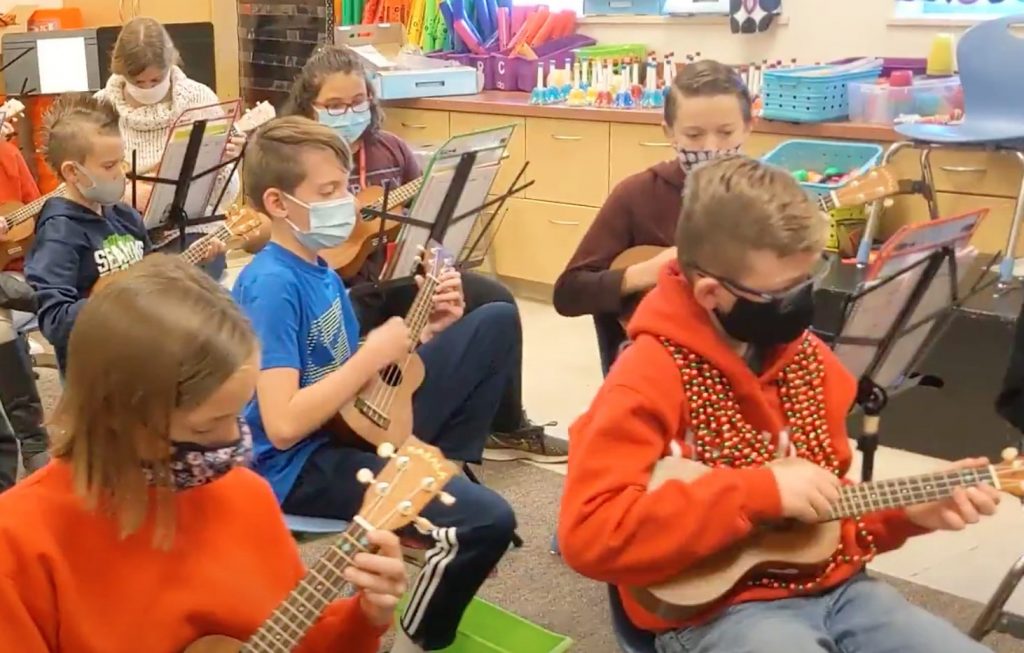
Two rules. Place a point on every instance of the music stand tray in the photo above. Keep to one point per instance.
(900, 310)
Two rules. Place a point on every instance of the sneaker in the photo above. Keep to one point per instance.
(528, 443)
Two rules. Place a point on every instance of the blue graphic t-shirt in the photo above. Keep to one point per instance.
(304, 321)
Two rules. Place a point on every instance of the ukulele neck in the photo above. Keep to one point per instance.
(195, 253)
(419, 312)
(863, 498)
(399, 196)
(33, 208)
(828, 202)
(323, 584)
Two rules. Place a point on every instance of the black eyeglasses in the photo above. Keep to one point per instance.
(814, 279)
(342, 109)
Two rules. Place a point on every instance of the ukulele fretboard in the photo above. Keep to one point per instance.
(33, 208)
(194, 254)
(864, 498)
(399, 196)
(322, 584)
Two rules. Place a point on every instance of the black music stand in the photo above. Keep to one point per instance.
(177, 215)
(920, 299)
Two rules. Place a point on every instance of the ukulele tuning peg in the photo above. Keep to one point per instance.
(423, 525)
(446, 499)
(386, 450)
(364, 476)
(382, 488)
(402, 462)
(428, 483)
(1009, 453)
(405, 508)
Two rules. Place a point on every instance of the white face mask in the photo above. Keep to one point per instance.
(149, 95)
(330, 222)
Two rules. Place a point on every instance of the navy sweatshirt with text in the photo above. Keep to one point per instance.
(75, 246)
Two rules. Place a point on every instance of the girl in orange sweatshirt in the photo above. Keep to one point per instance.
(146, 532)
(722, 370)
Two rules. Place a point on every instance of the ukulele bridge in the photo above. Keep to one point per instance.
(372, 413)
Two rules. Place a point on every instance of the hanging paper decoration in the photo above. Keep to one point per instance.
(752, 16)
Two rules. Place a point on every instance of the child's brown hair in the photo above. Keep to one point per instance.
(70, 125)
(143, 43)
(707, 78)
(735, 205)
(325, 62)
(272, 155)
(161, 337)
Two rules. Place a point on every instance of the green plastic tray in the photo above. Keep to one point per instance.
(486, 628)
(632, 50)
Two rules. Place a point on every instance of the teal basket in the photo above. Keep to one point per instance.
(818, 155)
(486, 628)
(793, 95)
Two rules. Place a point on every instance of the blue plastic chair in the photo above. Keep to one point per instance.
(630, 638)
(993, 99)
(313, 527)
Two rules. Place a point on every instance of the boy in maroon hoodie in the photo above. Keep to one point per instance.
(707, 114)
(723, 371)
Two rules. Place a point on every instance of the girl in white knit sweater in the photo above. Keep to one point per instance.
(150, 92)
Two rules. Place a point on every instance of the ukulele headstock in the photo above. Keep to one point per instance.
(250, 229)
(258, 115)
(434, 260)
(413, 476)
(872, 185)
(1009, 473)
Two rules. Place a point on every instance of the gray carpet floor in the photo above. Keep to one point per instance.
(539, 587)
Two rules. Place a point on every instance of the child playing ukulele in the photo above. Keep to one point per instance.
(333, 90)
(707, 114)
(723, 370)
(147, 532)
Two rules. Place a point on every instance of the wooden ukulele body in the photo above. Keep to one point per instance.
(350, 256)
(16, 242)
(215, 644)
(357, 419)
(790, 548)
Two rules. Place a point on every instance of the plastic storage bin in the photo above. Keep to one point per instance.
(810, 93)
(846, 223)
(622, 7)
(486, 628)
(881, 103)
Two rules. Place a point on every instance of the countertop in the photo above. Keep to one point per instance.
(518, 104)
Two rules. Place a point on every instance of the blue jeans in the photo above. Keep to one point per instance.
(863, 615)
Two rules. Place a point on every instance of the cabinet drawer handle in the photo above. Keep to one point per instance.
(409, 126)
(964, 168)
(565, 223)
(566, 138)
(654, 144)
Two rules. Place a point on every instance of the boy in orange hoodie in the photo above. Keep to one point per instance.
(722, 370)
(146, 532)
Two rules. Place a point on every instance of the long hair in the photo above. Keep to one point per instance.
(143, 43)
(161, 337)
(323, 63)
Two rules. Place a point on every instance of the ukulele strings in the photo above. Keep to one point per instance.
(387, 389)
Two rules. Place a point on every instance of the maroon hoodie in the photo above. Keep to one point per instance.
(642, 210)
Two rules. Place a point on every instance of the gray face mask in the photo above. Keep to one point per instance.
(102, 191)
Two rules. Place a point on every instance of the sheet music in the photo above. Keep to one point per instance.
(219, 119)
(489, 146)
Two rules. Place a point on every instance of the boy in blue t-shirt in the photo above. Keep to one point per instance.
(312, 365)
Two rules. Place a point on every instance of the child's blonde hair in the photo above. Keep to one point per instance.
(161, 337)
(735, 205)
(70, 125)
(143, 43)
(272, 155)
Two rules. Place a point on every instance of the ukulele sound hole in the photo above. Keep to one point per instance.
(391, 375)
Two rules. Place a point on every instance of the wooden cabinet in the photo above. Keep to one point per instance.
(537, 239)
(465, 123)
(966, 171)
(634, 148)
(422, 129)
(568, 160)
(992, 233)
(757, 145)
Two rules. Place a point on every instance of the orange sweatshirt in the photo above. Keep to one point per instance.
(69, 584)
(613, 530)
(16, 183)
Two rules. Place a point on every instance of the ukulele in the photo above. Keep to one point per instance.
(240, 225)
(382, 411)
(21, 226)
(794, 547)
(411, 479)
(348, 258)
(876, 184)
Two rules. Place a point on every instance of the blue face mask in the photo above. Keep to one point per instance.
(349, 125)
(330, 223)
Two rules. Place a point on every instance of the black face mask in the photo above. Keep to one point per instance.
(767, 324)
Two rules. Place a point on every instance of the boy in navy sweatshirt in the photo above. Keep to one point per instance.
(90, 232)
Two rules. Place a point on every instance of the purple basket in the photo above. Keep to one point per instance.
(504, 73)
